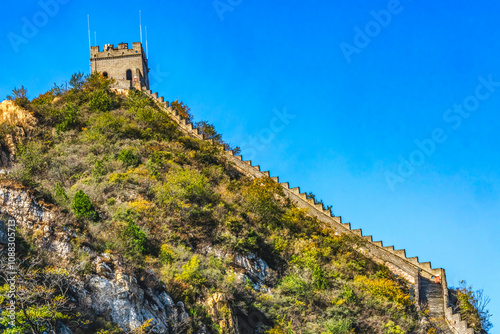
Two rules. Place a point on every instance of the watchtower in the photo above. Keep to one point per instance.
(129, 67)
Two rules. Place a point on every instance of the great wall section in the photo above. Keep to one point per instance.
(420, 274)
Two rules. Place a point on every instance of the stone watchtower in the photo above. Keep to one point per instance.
(129, 67)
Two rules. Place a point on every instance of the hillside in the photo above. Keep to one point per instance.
(128, 222)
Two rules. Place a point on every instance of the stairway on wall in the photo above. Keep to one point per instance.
(431, 294)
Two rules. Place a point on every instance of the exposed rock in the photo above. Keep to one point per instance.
(22, 120)
(255, 268)
(11, 114)
(118, 296)
(252, 266)
(220, 310)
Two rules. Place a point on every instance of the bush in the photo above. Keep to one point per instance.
(167, 254)
(129, 157)
(32, 157)
(264, 197)
(339, 325)
(98, 169)
(185, 185)
(134, 237)
(385, 289)
(83, 207)
(191, 273)
(60, 195)
(100, 101)
(69, 117)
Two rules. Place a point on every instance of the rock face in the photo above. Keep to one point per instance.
(11, 114)
(120, 298)
(22, 120)
(248, 266)
(222, 313)
(110, 292)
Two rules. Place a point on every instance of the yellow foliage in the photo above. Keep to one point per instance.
(384, 288)
(141, 205)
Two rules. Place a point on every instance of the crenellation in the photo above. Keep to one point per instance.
(357, 231)
(400, 252)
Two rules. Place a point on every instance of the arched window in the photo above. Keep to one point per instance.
(129, 74)
(105, 74)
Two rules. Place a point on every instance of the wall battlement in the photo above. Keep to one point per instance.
(411, 269)
(122, 50)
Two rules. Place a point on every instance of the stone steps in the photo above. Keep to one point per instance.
(431, 293)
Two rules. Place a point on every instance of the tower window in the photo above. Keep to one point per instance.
(129, 74)
(105, 74)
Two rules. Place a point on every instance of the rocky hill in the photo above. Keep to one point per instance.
(129, 219)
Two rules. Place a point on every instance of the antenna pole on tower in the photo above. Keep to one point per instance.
(95, 36)
(140, 24)
(90, 43)
(147, 51)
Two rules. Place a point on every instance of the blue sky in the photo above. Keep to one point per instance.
(332, 97)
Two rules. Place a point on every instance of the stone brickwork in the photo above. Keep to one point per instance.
(129, 67)
(410, 269)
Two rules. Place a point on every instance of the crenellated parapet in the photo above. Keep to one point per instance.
(409, 268)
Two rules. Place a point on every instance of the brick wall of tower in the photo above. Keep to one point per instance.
(117, 61)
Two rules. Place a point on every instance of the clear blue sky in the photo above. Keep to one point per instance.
(359, 102)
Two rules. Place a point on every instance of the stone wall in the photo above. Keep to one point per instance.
(396, 260)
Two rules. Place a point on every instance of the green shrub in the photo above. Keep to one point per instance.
(263, 198)
(100, 101)
(60, 194)
(319, 280)
(98, 169)
(191, 273)
(83, 207)
(69, 116)
(348, 294)
(185, 185)
(158, 161)
(32, 157)
(338, 325)
(392, 328)
(167, 254)
(134, 237)
(129, 157)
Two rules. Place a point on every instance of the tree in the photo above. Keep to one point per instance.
(83, 207)
(472, 307)
(20, 97)
(77, 81)
(41, 297)
(183, 110)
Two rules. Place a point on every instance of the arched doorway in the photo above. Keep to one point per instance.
(105, 74)
(129, 74)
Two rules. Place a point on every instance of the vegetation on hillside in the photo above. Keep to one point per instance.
(130, 183)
